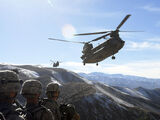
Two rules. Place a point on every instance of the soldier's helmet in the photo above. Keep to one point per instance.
(9, 82)
(31, 87)
(52, 87)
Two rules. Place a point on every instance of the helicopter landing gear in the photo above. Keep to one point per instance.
(84, 63)
(113, 57)
(97, 63)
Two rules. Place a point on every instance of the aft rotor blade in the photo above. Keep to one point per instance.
(99, 38)
(94, 33)
(131, 31)
(123, 21)
(65, 40)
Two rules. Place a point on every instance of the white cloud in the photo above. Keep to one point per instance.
(154, 39)
(149, 69)
(68, 30)
(142, 45)
(151, 8)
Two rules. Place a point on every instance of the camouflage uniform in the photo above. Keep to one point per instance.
(50, 103)
(53, 106)
(34, 111)
(10, 112)
(9, 87)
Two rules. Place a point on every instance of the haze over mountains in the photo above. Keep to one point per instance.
(95, 100)
(122, 80)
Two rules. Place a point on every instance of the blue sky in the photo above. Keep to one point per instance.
(25, 26)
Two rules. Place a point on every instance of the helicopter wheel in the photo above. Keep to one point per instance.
(113, 57)
(97, 64)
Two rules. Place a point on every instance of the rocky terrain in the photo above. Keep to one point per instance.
(95, 100)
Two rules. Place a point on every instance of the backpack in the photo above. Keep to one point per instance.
(52, 106)
(67, 111)
(32, 111)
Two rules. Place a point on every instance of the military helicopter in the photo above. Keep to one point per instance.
(104, 50)
(55, 64)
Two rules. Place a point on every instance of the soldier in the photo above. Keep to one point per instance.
(9, 88)
(67, 112)
(31, 90)
(52, 93)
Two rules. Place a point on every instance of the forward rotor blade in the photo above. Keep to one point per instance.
(65, 40)
(99, 37)
(123, 21)
(94, 33)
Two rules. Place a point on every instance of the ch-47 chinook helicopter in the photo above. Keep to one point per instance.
(104, 50)
(55, 64)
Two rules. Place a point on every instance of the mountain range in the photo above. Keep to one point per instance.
(122, 80)
(96, 99)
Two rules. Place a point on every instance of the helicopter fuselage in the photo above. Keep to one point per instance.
(104, 50)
